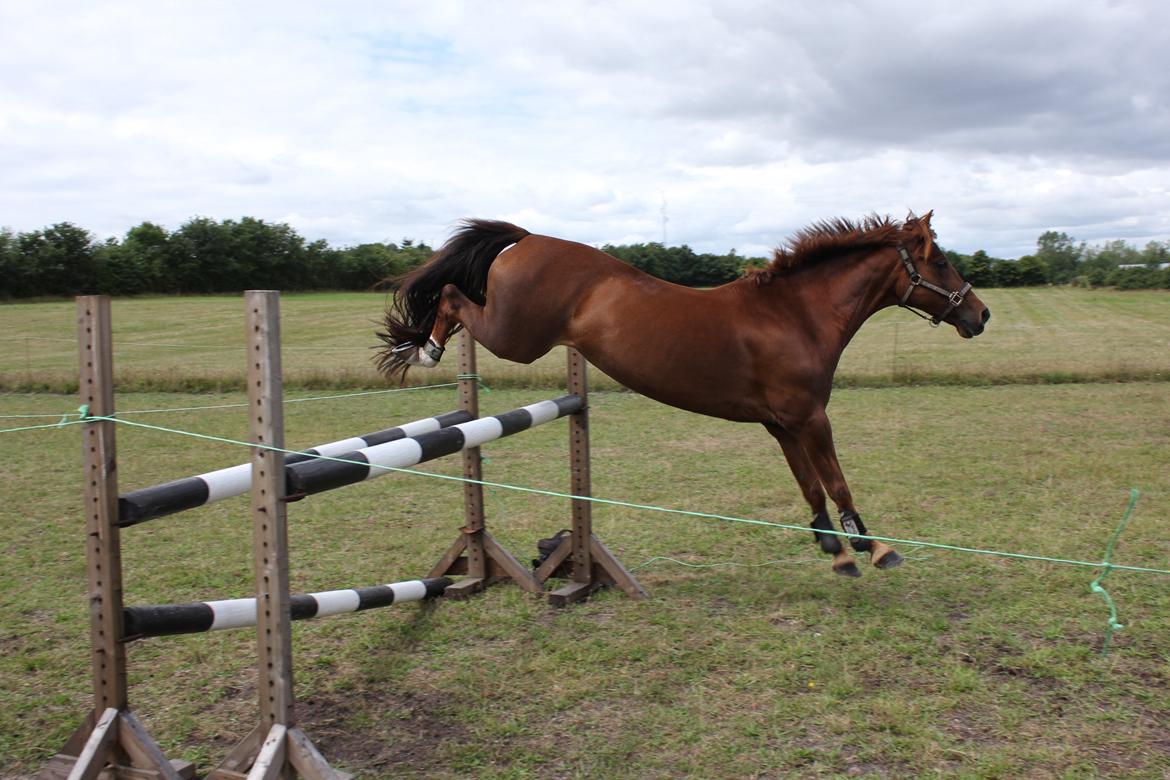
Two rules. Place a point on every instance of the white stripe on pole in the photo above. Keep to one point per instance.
(334, 602)
(420, 426)
(414, 590)
(232, 613)
(394, 454)
(335, 448)
(542, 412)
(480, 431)
(228, 482)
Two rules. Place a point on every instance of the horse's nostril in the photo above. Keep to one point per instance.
(986, 315)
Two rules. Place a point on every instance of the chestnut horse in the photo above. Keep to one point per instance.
(760, 349)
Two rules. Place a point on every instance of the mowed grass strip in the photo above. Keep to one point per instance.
(1044, 335)
(953, 665)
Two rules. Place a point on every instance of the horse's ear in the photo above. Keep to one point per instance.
(927, 233)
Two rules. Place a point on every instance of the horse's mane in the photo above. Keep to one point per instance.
(831, 238)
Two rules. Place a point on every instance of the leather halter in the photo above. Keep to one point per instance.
(954, 297)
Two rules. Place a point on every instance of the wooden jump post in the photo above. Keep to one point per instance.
(110, 737)
(111, 742)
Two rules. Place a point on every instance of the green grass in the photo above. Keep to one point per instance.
(195, 344)
(953, 665)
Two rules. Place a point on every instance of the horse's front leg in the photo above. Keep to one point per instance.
(510, 338)
(814, 494)
(816, 439)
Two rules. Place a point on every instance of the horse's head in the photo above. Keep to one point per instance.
(928, 282)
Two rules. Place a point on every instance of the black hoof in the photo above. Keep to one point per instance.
(848, 570)
(890, 560)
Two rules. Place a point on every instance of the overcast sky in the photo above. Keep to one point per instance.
(738, 121)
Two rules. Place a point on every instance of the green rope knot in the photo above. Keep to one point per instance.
(83, 412)
(1106, 567)
(474, 378)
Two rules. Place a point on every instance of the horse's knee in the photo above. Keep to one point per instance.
(452, 297)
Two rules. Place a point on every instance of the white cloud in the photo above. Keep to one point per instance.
(370, 120)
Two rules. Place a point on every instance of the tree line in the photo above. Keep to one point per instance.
(209, 256)
(1059, 259)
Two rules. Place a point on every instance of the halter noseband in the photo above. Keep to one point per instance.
(954, 297)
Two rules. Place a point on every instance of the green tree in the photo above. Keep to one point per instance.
(1156, 253)
(980, 272)
(9, 266)
(1060, 254)
(1006, 273)
(58, 260)
(959, 262)
(135, 265)
(1033, 271)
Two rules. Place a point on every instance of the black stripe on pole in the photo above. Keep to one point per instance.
(165, 499)
(317, 476)
(375, 596)
(167, 620)
(436, 444)
(515, 421)
(568, 404)
(302, 606)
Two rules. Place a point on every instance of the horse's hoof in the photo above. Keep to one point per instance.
(890, 560)
(848, 570)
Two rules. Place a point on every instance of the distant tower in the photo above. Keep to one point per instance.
(665, 218)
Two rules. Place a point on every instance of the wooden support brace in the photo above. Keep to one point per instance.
(92, 758)
(117, 748)
(270, 761)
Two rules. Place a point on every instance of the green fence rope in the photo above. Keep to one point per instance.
(653, 508)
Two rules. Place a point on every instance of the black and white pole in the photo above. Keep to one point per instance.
(316, 476)
(200, 616)
(190, 492)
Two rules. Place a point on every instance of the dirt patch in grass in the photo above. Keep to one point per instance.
(372, 732)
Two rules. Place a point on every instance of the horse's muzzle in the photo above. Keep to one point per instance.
(968, 328)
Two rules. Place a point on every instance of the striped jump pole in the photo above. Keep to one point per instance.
(190, 492)
(200, 616)
(315, 476)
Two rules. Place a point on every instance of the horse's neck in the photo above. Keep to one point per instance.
(841, 294)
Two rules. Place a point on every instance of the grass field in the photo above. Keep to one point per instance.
(1035, 335)
(750, 660)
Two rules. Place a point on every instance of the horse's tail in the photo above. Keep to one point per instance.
(464, 262)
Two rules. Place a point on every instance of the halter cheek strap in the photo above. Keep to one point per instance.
(954, 297)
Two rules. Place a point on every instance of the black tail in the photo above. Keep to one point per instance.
(464, 262)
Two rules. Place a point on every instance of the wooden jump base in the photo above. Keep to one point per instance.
(111, 742)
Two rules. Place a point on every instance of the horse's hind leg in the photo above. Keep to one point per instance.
(816, 440)
(814, 494)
